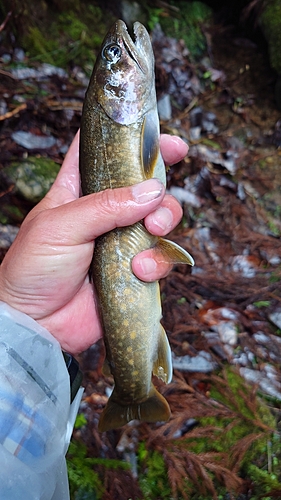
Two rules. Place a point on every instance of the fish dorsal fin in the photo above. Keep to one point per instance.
(152, 161)
(173, 253)
(162, 366)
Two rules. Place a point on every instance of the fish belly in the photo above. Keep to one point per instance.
(130, 312)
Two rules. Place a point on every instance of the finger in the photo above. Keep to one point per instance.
(173, 149)
(150, 265)
(165, 218)
(98, 213)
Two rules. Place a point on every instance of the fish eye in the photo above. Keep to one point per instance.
(112, 53)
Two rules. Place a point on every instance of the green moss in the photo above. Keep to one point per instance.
(40, 47)
(187, 24)
(271, 22)
(72, 38)
(31, 178)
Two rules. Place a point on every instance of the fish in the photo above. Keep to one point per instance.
(119, 146)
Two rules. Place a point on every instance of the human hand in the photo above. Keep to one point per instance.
(45, 272)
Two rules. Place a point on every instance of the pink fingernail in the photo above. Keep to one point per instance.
(148, 265)
(163, 218)
(147, 191)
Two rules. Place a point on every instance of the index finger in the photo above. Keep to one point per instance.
(173, 149)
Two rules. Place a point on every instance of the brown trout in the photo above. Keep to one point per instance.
(119, 146)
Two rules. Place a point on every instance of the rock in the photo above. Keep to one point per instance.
(275, 317)
(7, 235)
(267, 380)
(202, 362)
(42, 72)
(165, 107)
(32, 141)
(31, 178)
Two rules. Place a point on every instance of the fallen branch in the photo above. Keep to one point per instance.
(19, 108)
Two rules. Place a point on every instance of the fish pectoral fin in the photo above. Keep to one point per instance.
(173, 253)
(154, 409)
(152, 161)
(163, 367)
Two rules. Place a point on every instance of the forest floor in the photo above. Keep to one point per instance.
(223, 316)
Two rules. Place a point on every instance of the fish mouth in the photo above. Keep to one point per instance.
(138, 49)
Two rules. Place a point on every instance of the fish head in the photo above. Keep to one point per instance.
(123, 77)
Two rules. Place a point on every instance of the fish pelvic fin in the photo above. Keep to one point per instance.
(173, 253)
(162, 367)
(154, 409)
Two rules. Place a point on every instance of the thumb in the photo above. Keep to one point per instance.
(82, 220)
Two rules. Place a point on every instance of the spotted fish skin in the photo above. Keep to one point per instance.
(119, 146)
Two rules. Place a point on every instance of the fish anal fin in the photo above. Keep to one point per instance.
(172, 253)
(154, 409)
(162, 366)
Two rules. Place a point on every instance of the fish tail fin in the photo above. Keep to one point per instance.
(154, 409)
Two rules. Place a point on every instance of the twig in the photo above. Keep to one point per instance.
(2, 26)
(7, 73)
(19, 108)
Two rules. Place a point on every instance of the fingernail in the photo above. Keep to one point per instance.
(147, 190)
(148, 265)
(163, 218)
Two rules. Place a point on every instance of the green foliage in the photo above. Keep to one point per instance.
(275, 277)
(245, 434)
(85, 483)
(182, 300)
(271, 22)
(153, 478)
(187, 25)
(71, 38)
(262, 303)
(80, 421)
(154, 16)
(80, 471)
(235, 438)
(40, 47)
(11, 214)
